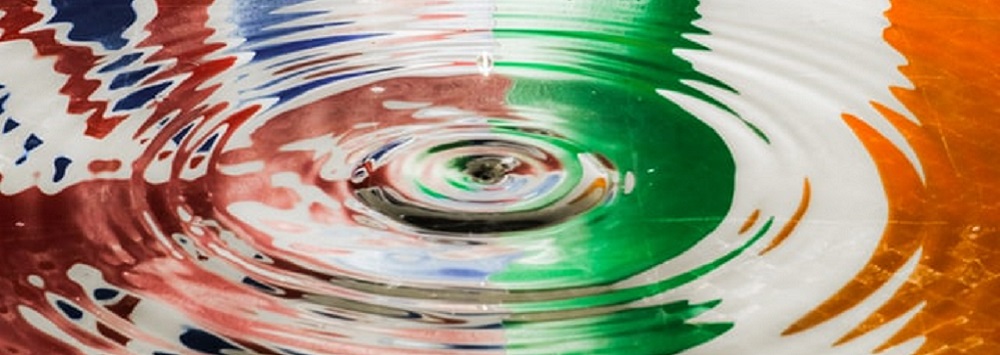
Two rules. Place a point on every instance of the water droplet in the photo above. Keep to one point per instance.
(485, 63)
(629, 182)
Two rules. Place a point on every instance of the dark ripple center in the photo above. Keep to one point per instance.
(490, 170)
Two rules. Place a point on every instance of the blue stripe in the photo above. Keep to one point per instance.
(102, 21)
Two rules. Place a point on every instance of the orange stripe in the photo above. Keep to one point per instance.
(794, 221)
(750, 222)
(900, 239)
(953, 215)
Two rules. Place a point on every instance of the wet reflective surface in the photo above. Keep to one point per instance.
(481, 177)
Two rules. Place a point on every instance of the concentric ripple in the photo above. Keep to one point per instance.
(307, 177)
(486, 179)
(440, 177)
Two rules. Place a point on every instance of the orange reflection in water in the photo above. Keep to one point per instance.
(952, 216)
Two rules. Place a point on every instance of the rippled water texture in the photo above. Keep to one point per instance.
(498, 177)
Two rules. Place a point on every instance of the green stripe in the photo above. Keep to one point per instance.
(591, 71)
